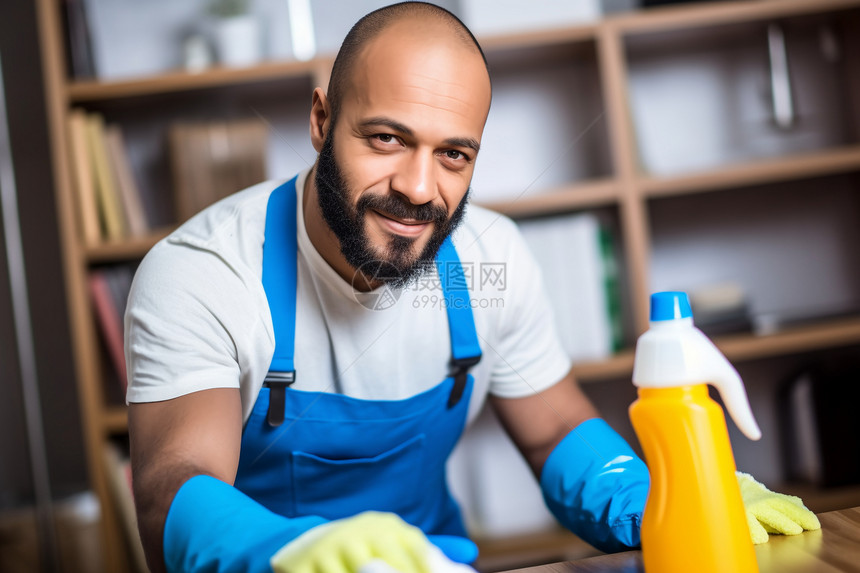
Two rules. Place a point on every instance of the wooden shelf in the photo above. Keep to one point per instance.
(115, 420)
(619, 365)
(217, 77)
(579, 196)
(816, 336)
(718, 13)
(758, 172)
(742, 347)
(126, 249)
(549, 37)
(178, 81)
(604, 48)
(651, 20)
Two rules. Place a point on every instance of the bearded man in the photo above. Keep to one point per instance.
(304, 355)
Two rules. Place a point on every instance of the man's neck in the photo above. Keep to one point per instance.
(324, 240)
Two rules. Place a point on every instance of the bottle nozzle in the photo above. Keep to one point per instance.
(726, 379)
(673, 353)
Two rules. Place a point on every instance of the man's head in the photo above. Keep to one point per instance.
(371, 25)
(398, 134)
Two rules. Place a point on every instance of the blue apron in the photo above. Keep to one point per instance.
(326, 454)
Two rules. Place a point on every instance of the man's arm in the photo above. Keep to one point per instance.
(172, 441)
(537, 423)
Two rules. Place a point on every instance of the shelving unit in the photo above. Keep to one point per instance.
(605, 172)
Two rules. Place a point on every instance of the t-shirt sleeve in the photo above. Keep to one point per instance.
(529, 357)
(183, 306)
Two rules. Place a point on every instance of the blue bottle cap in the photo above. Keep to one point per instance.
(670, 305)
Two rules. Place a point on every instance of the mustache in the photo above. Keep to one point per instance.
(402, 209)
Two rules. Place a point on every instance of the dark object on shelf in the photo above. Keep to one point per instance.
(80, 53)
(721, 309)
(728, 322)
(819, 425)
(213, 160)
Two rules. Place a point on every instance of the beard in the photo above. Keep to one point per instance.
(396, 263)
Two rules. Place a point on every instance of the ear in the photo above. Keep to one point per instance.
(320, 118)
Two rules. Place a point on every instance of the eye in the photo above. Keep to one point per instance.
(384, 142)
(457, 158)
(385, 138)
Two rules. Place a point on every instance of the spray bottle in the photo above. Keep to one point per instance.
(694, 518)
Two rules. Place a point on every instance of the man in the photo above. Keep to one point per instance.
(271, 406)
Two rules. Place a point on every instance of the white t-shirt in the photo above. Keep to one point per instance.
(198, 317)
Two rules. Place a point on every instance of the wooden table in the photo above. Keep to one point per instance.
(833, 548)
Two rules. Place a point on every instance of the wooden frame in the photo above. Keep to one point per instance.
(627, 189)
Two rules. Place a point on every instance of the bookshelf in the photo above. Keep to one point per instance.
(607, 171)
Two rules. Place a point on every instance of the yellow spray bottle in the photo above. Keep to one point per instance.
(694, 518)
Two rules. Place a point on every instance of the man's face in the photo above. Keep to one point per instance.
(394, 170)
(395, 262)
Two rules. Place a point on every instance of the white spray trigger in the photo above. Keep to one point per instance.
(718, 371)
(673, 352)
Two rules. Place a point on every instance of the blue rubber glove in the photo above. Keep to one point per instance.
(596, 486)
(211, 526)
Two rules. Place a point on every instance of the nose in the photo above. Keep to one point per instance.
(415, 177)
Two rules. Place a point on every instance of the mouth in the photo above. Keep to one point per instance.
(402, 227)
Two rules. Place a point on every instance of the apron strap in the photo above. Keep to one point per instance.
(280, 249)
(279, 281)
(465, 349)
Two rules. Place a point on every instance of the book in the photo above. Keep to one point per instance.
(113, 219)
(118, 467)
(109, 321)
(612, 285)
(119, 278)
(128, 191)
(84, 179)
(210, 161)
(569, 251)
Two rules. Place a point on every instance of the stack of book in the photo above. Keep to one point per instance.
(580, 275)
(108, 288)
(108, 198)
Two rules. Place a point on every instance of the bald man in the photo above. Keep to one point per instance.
(304, 355)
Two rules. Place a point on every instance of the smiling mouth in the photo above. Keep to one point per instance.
(405, 227)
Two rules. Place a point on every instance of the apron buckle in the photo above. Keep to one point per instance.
(277, 383)
(460, 374)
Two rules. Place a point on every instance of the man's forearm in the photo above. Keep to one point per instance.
(173, 441)
(154, 490)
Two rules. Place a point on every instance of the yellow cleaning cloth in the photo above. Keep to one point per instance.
(769, 512)
(347, 545)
